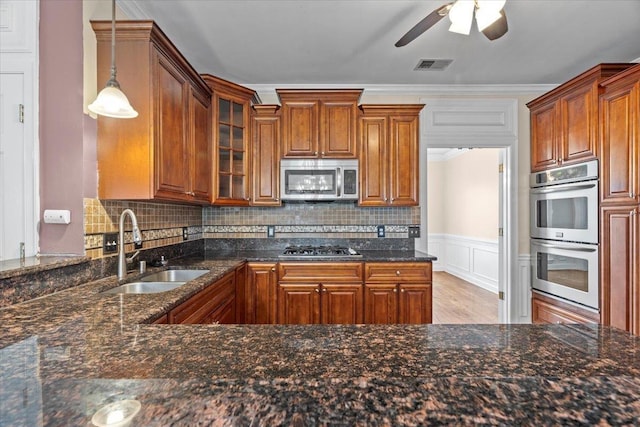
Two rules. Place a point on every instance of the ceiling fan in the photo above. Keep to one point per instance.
(490, 17)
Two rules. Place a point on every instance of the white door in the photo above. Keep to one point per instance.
(16, 171)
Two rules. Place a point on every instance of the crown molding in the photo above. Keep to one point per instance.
(418, 90)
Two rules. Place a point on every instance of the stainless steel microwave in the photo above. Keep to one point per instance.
(318, 179)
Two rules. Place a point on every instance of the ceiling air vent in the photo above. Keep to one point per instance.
(433, 64)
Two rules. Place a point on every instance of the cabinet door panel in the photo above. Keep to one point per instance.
(579, 124)
(342, 304)
(404, 173)
(373, 161)
(381, 304)
(300, 138)
(620, 264)
(338, 130)
(299, 304)
(543, 137)
(266, 161)
(415, 304)
(171, 149)
(201, 147)
(261, 293)
(619, 146)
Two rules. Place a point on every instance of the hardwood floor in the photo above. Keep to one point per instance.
(458, 301)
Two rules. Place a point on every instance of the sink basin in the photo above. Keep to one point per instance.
(174, 276)
(144, 287)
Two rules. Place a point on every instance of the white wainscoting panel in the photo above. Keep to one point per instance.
(471, 259)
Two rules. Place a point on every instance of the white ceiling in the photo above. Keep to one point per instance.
(351, 42)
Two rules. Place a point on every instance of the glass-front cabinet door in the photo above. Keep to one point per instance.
(231, 123)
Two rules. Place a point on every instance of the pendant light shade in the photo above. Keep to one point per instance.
(111, 101)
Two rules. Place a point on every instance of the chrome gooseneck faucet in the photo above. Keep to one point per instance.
(137, 238)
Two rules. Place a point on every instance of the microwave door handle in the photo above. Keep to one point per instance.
(568, 248)
(559, 188)
(339, 181)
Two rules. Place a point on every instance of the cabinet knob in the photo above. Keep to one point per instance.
(385, 199)
(324, 290)
(397, 272)
(317, 290)
(401, 290)
(273, 269)
(322, 153)
(395, 290)
(315, 153)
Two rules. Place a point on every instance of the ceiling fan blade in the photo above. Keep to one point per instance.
(429, 21)
(498, 28)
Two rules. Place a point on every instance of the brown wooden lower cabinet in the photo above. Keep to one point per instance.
(320, 292)
(550, 310)
(398, 303)
(260, 293)
(214, 304)
(620, 267)
(337, 303)
(398, 292)
(162, 320)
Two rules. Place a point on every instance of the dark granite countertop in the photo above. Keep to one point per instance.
(65, 355)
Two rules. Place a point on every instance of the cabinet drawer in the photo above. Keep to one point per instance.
(197, 308)
(547, 310)
(397, 272)
(318, 272)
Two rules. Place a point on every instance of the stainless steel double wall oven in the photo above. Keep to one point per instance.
(564, 233)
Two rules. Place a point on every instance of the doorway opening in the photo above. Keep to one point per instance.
(463, 188)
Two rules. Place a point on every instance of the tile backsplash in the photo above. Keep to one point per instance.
(304, 220)
(160, 223)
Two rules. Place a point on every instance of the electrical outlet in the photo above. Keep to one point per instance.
(381, 231)
(271, 231)
(137, 245)
(185, 233)
(414, 231)
(109, 243)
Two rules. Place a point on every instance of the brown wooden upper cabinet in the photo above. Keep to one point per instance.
(265, 158)
(564, 121)
(319, 123)
(231, 142)
(160, 154)
(389, 155)
(620, 200)
(620, 138)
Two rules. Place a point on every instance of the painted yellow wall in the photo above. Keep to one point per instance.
(465, 192)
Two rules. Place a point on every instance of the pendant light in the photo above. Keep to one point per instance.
(111, 101)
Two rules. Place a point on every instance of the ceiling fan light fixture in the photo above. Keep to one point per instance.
(461, 16)
(488, 12)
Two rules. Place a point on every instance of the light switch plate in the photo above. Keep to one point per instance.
(271, 231)
(185, 233)
(414, 231)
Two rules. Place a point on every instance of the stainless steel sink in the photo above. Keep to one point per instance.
(174, 276)
(145, 287)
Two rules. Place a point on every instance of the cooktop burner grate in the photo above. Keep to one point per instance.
(324, 251)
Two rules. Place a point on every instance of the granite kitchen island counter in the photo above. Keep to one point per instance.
(64, 356)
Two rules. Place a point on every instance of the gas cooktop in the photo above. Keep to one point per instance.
(324, 251)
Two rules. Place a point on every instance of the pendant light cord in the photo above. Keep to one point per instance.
(112, 81)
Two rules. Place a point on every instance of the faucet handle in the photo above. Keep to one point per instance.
(130, 259)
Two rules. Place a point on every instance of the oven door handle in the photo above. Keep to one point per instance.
(568, 248)
(339, 179)
(564, 187)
